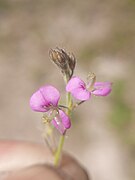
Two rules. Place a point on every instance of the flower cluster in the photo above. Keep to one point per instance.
(46, 99)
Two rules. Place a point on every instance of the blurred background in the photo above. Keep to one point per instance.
(101, 34)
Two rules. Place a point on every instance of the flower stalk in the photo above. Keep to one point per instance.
(58, 153)
(46, 99)
(59, 150)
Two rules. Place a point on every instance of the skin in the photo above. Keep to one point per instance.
(23, 160)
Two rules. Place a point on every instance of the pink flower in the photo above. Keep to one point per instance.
(80, 91)
(45, 100)
(61, 122)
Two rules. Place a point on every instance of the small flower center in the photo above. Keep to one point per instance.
(83, 86)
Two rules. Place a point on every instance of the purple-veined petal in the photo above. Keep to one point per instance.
(74, 83)
(61, 122)
(37, 102)
(102, 88)
(78, 89)
(50, 94)
(44, 98)
(81, 94)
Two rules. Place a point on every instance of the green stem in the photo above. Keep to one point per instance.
(69, 103)
(59, 149)
(62, 138)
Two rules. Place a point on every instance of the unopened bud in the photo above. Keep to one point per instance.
(65, 62)
(72, 61)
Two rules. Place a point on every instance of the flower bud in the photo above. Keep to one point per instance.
(65, 62)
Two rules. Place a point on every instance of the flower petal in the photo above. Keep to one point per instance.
(37, 102)
(51, 95)
(58, 125)
(81, 94)
(74, 82)
(102, 88)
(65, 119)
(61, 122)
(44, 98)
(78, 89)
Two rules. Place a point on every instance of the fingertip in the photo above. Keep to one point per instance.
(72, 167)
